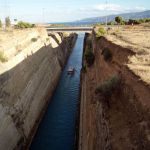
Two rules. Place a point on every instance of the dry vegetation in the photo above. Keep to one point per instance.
(137, 39)
(13, 41)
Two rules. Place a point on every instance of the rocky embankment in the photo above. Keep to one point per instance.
(115, 103)
(28, 76)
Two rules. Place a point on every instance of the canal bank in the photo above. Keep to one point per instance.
(27, 81)
(114, 109)
(57, 129)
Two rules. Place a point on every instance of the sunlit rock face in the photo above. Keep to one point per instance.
(27, 80)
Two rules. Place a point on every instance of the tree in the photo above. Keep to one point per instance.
(119, 19)
(23, 25)
(1, 24)
(133, 21)
(7, 22)
(111, 23)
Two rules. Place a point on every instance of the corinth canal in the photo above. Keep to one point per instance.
(57, 129)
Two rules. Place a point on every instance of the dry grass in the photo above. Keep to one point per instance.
(138, 40)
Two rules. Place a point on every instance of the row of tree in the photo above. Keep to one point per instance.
(7, 22)
(19, 25)
(121, 21)
(22, 25)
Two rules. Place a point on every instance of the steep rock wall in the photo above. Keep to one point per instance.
(120, 121)
(93, 130)
(28, 80)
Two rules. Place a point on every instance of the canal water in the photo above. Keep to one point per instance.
(57, 129)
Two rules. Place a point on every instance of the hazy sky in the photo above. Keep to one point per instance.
(67, 10)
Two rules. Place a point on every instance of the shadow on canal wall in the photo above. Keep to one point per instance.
(25, 91)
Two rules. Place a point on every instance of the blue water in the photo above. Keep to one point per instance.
(57, 129)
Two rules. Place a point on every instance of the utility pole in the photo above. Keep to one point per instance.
(6, 10)
(106, 13)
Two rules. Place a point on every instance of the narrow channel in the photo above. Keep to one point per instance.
(57, 129)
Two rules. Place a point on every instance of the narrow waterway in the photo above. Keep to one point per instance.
(57, 129)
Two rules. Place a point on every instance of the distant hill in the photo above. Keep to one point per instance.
(126, 16)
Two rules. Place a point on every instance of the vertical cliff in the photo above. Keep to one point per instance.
(114, 102)
(27, 81)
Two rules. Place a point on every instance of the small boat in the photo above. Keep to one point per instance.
(70, 70)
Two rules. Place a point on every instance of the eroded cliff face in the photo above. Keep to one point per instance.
(27, 81)
(119, 120)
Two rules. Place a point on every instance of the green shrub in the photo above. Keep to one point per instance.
(89, 43)
(89, 57)
(2, 57)
(101, 31)
(34, 39)
(107, 54)
(7, 22)
(84, 69)
(106, 88)
(47, 39)
(22, 25)
(133, 21)
(111, 23)
(147, 20)
(118, 19)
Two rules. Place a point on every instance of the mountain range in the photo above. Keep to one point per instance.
(126, 16)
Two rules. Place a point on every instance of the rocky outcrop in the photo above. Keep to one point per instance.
(119, 121)
(27, 81)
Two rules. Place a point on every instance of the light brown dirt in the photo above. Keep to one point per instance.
(136, 39)
(125, 123)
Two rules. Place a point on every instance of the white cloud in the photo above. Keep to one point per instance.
(65, 13)
(107, 7)
(117, 8)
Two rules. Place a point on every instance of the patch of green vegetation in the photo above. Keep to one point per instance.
(101, 32)
(121, 21)
(47, 39)
(107, 54)
(33, 39)
(111, 23)
(84, 69)
(22, 25)
(89, 43)
(89, 56)
(138, 21)
(106, 87)
(2, 57)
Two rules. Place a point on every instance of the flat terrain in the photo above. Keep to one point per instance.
(137, 39)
